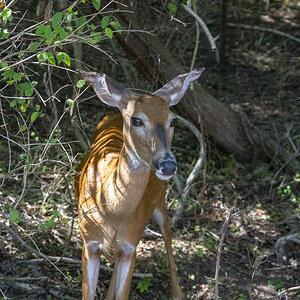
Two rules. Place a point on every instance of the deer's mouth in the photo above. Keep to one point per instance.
(162, 176)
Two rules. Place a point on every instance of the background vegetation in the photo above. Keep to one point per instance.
(48, 113)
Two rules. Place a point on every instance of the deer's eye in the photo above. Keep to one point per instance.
(136, 122)
(173, 123)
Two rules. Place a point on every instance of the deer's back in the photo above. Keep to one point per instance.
(106, 140)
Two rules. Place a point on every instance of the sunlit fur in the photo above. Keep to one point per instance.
(117, 197)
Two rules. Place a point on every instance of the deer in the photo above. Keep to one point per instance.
(120, 182)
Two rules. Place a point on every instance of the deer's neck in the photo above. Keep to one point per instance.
(130, 181)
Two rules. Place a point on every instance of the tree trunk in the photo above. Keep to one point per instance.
(154, 61)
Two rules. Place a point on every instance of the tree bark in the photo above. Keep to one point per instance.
(154, 61)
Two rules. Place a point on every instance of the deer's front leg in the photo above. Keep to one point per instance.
(90, 269)
(119, 286)
(161, 218)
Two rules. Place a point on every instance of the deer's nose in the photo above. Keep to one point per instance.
(167, 165)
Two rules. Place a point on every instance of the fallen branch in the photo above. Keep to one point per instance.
(291, 289)
(259, 28)
(195, 172)
(24, 278)
(223, 234)
(55, 259)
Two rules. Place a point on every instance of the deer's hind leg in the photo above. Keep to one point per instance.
(161, 217)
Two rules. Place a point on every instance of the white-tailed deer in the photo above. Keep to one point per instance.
(120, 182)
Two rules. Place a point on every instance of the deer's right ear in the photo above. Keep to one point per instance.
(110, 91)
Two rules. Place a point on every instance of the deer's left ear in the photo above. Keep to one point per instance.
(175, 89)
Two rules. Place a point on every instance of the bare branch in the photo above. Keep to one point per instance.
(55, 259)
(259, 28)
(211, 39)
(223, 234)
(195, 172)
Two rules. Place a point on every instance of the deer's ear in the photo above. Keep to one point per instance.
(110, 91)
(175, 89)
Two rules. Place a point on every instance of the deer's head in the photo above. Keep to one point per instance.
(148, 122)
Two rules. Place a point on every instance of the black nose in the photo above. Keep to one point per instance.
(167, 165)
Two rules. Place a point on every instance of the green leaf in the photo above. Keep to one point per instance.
(44, 30)
(67, 60)
(18, 76)
(96, 4)
(26, 89)
(104, 22)
(69, 102)
(21, 53)
(172, 7)
(69, 17)
(108, 32)
(23, 156)
(12, 103)
(40, 30)
(58, 30)
(8, 73)
(81, 24)
(21, 101)
(62, 56)
(96, 37)
(51, 59)
(50, 223)
(33, 116)
(80, 83)
(116, 25)
(47, 32)
(14, 216)
(23, 128)
(44, 56)
(55, 213)
(37, 107)
(63, 34)
(6, 15)
(4, 33)
(3, 65)
(56, 19)
(33, 46)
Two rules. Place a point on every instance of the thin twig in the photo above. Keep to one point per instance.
(8, 141)
(196, 43)
(3, 295)
(259, 28)
(210, 38)
(223, 234)
(294, 288)
(195, 172)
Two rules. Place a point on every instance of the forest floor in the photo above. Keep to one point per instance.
(262, 81)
